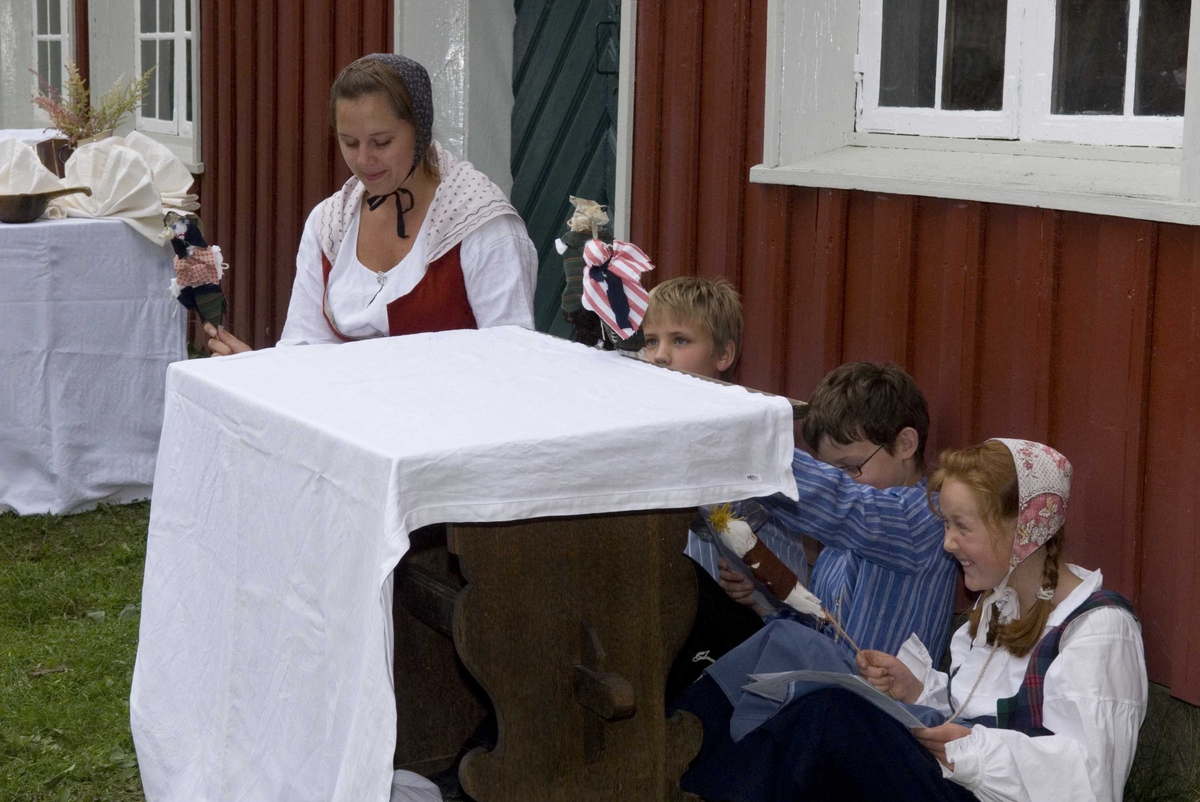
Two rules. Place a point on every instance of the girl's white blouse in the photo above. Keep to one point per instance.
(1094, 702)
(499, 265)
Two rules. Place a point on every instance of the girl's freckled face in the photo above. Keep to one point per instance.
(981, 549)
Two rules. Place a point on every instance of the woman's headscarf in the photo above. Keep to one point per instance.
(420, 95)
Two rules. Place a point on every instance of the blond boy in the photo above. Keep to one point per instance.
(694, 324)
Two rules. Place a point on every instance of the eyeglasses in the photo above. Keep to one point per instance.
(855, 471)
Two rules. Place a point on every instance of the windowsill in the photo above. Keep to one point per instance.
(1051, 177)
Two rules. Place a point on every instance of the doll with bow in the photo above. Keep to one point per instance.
(603, 295)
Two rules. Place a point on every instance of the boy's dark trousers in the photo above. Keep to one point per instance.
(827, 746)
(721, 625)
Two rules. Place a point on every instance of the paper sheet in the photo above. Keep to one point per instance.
(776, 686)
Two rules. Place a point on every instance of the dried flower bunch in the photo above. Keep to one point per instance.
(76, 116)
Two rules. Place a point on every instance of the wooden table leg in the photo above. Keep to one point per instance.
(571, 625)
(436, 700)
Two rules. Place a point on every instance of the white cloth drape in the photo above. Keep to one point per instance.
(22, 173)
(288, 481)
(87, 330)
(122, 185)
(168, 171)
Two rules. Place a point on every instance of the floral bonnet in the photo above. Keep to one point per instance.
(1044, 486)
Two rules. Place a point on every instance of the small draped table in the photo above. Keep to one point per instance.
(87, 330)
(292, 481)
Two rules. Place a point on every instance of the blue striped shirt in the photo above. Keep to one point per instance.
(883, 571)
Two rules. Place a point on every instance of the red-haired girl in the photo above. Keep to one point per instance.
(1047, 687)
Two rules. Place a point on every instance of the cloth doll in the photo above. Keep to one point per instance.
(603, 296)
(198, 269)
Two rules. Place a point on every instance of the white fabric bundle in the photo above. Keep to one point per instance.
(738, 537)
(22, 173)
(171, 176)
(122, 185)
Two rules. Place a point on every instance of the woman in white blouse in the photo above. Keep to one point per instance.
(415, 241)
(1046, 692)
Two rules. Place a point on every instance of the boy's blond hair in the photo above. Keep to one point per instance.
(713, 305)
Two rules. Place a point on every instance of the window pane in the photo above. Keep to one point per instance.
(43, 26)
(149, 22)
(1162, 57)
(189, 80)
(55, 17)
(908, 57)
(166, 16)
(166, 81)
(43, 48)
(1089, 56)
(150, 59)
(56, 65)
(187, 15)
(973, 77)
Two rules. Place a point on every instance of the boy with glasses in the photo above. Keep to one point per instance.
(882, 571)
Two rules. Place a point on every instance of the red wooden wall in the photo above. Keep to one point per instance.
(1072, 329)
(269, 156)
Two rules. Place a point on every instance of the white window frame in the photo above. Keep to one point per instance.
(67, 13)
(936, 121)
(1097, 129)
(1028, 78)
(177, 126)
(809, 136)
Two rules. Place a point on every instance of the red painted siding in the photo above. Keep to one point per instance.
(1073, 329)
(266, 69)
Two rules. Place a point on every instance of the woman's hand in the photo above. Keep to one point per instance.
(889, 675)
(738, 587)
(222, 343)
(935, 739)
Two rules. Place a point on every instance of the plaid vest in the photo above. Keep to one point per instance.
(1023, 712)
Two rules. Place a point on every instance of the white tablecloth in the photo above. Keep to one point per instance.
(288, 481)
(87, 329)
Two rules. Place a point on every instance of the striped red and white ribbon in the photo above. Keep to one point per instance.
(627, 262)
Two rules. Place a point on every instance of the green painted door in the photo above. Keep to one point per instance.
(563, 125)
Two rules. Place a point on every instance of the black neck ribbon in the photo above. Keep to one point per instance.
(375, 201)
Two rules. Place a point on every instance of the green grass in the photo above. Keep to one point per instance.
(69, 590)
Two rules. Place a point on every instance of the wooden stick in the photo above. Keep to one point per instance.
(840, 631)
